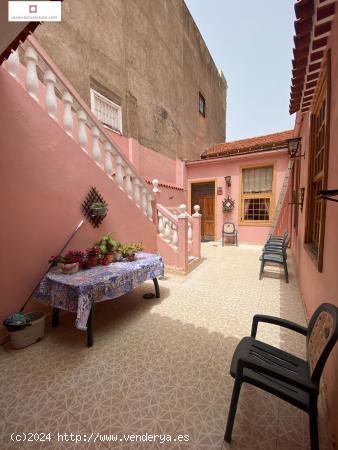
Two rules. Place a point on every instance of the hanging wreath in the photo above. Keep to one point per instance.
(228, 204)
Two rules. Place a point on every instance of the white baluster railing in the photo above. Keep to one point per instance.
(144, 201)
(160, 223)
(190, 232)
(167, 225)
(108, 166)
(13, 64)
(129, 186)
(108, 157)
(149, 206)
(119, 171)
(137, 192)
(179, 236)
(96, 152)
(82, 139)
(175, 237)
(167, 230)
(31, 80)
(67, 113)
(181, 211)
(50, 97)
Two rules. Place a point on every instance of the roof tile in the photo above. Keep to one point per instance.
(254, 144)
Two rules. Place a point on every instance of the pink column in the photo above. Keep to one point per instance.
(196, 233)
(182, 256)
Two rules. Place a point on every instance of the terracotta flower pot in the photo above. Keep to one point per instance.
(70, 268)
(110, 256)
(92, 260)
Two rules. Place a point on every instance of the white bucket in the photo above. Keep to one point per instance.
(31, 334)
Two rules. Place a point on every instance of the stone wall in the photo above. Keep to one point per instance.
(149, 56)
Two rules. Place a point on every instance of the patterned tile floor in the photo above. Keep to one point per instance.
(160, 367)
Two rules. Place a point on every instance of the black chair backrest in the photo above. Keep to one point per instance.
(322, 334)
(228, 227)
(285, 236)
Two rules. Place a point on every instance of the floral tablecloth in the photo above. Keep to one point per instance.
(76, 293)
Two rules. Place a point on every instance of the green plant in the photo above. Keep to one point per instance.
(98, 205)
(127, 250)
(107, 244)
(98, 209)
(130, 249)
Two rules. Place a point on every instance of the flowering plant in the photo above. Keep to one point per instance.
(93, 251)
(74, 256)
(55, 260)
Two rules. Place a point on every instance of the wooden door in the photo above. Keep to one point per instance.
(203, 194)
(208, 218)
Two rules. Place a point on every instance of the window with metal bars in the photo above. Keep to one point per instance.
(106, 111)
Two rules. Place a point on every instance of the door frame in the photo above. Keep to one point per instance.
(200, 181)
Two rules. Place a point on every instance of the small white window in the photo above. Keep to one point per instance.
(106, 111)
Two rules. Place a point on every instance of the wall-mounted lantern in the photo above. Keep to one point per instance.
(227, 180)
(294, 148)
(327, 195)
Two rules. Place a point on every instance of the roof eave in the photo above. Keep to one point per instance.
(239, 156)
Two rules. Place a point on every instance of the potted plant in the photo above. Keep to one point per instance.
(72, 261)
(56, 261)
(137, 246)
(108, 247)
(98, 209)
(118, 253)
(228, 204)
(93, 255)
(129, 250)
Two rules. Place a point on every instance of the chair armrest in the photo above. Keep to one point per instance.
(276, 321)
(278, 373)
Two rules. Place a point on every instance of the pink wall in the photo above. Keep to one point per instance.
(153, 165)
(218, 169)
(322, 287)
(44, 179)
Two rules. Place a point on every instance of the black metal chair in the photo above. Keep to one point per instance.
(283, 374)
(229, 230)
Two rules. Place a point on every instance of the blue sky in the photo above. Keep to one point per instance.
(251, 41)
